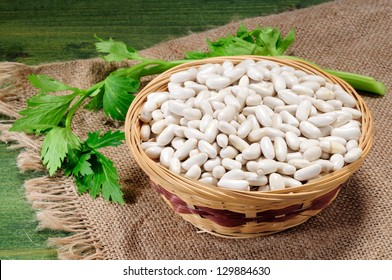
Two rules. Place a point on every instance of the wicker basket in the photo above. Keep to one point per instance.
(242, 214)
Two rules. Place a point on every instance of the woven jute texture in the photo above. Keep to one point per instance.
(346, 35)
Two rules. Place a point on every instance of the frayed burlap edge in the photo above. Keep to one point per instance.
(54, 198)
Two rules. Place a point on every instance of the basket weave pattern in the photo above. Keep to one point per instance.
(242, 214)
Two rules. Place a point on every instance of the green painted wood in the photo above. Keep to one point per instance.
(35, 32)
(46, 30)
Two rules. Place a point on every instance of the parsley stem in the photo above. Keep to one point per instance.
(84, 94)
(148, 67)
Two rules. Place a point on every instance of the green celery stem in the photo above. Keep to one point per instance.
(357, 81)
(360, 82)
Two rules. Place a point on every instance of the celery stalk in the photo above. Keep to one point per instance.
(360, 82)
(357, 81)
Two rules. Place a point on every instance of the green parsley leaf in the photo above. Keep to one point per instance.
(56, 146)
(117, 51)
(48, 84)
(260, 41)
(117, 98)
(83, 166)
(94, 141)
(103, 179)
(96, 102)
(271, 39)
(43, 111)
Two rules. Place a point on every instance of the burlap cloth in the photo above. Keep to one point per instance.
(345, 35)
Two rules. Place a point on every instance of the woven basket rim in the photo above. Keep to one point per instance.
(314, 187)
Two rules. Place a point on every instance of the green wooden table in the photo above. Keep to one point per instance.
(34, 32)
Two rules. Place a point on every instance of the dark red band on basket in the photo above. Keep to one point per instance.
(229, 218)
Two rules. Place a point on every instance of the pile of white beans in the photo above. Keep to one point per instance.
(251, 126)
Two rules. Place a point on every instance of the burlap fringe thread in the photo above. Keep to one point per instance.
(52, 197)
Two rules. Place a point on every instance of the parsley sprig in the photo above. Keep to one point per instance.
(51, 115)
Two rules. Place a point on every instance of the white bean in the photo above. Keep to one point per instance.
(292, 140)
(313, 78)
(353, 155)
(207, 148)
(218, 171)
(307, 143)
(227, 114)
(240, 159)
(308, 172)
(280, 148)
(309, 130)
(252, 152)
(235, 174)
(276, 182)
(324, 94)
(323, 106)
(241, 185)
(228, 152)
(354, 112)
(287, 127)
(222, 140)
(192, 114)
(332, 147)
(209, 180)
(303, 110)
(166, 155)
(234, 74)
(351, 133)
(194, 172)
(175, 165)
(303, 90)
(322, 119)
(153, 152)
(267, 147)
(286, 169)
(347, 99)
(299, 162)
(263, 116)
(255, 179)
(183, 76)
(351, 145)
(278, 82)
(253, 100)
(217, 82)
(326, 165)
(183, 151)
(313, 153)
(244, 129)
(211, 163)
(198, 159)
(211, 131)
(289, 118)
(267, 166)
(293, 155)
(337, 161)
(145, 132)
(273, 102)
(178, 92)
(231, 164)
(254, 73)
(226, 128)
(166, 136)
(291, 182)
(238, 143)
(289, 97)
